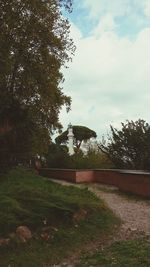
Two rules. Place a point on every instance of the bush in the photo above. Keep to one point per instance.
(92, 160)
(58, 157)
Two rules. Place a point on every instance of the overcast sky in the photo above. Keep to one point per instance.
(109, 77)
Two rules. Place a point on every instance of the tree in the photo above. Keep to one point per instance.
(18, 137)
(81, 133)
(34, 45)
(130, 146)
(58, 157)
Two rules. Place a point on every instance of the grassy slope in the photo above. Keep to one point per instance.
(27, 199)
(134, 253)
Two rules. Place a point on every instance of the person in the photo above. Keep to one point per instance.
(37, 165)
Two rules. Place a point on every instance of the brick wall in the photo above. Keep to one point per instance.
(84, 176)
(128, 181)
(109, 177)
(60, 174)
(135, 183)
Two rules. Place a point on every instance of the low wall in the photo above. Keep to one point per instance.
(60, 174)
(137, 183)
(73, 176)
(126, 180)
(83, 176)
(108, 177)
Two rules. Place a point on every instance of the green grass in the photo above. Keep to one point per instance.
(135, 253)
(28, 199)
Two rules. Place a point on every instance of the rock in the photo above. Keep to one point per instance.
(24, 233)
(45, 236)
(133, 229)
(4, 241)
(47, 232)
(55, 229)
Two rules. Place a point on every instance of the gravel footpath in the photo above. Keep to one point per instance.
(134, 213)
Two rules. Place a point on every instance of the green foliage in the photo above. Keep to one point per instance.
(98, 160)
(81, 133)
(130, 146)
(58, 157)
(92, 160)
(134, 253)
(20, 143)
(34, 46)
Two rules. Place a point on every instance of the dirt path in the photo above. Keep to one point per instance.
(134, 213)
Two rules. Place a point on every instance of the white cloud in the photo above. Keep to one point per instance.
(136, 13)
(147, 7)
(75, 33)
(105, 24)
(109, 78)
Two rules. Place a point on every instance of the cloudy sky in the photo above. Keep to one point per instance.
(109, 77)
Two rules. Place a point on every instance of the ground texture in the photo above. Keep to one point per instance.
(133, 211)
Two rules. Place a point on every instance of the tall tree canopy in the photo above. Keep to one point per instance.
(130, 146)
(81, 133)
(34, 45)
